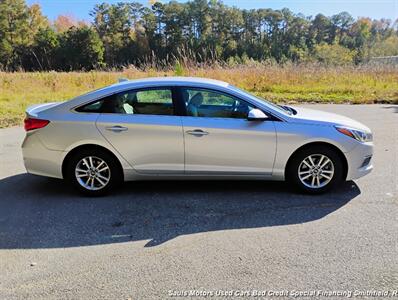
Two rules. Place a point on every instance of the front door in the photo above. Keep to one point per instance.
(142, 126)
(220, 140)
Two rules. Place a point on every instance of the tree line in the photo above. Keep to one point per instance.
(195, 32)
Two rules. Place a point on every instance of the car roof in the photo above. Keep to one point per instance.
(145, 82)
(173, 80)
(125, 85)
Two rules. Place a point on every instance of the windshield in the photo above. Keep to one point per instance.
(277, 107)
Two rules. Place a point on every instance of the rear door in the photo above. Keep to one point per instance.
(143, 126)
(219, 139)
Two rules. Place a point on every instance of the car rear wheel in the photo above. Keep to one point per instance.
(93, 172)
(315, 169)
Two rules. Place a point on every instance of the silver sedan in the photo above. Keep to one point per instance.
(190, 128)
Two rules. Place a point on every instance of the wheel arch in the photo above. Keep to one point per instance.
(90, 147)
(312, 144)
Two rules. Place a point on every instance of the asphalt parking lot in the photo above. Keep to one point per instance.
(154, 239)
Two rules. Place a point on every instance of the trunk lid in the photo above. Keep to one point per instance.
(34, 110)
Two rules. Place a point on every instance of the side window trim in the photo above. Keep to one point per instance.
(184, 108)
(177, 110)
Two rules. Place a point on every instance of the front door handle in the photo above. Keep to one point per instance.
(197, 132)
(117, 128)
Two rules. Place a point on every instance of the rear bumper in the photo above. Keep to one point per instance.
(39, 160)
(359, 161)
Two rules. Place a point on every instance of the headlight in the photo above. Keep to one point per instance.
(361, 136)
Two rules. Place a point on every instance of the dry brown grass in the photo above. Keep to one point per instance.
(278, 84)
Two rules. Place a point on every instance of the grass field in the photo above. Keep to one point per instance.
(289, 84)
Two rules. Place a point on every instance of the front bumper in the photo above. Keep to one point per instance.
(38, 159)
(359, 161)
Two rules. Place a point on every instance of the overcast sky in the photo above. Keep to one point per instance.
(375, 9)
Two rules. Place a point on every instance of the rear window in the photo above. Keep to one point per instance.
(94, 107)
(154, 101)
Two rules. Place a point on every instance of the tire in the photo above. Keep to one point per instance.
(304, 171)
(93, 172)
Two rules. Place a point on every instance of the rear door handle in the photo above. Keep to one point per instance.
(197, 132)
(117, 128)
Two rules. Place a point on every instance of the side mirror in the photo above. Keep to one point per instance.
(256, 115)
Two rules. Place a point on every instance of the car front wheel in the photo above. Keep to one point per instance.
(315, 169)
(93, 172)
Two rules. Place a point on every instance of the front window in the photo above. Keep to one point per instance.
(268, 103)
(213, 104)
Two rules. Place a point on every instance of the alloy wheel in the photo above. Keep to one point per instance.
(316, 171)
(92, 173)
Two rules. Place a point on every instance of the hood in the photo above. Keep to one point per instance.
(34, 110)
(307, 115)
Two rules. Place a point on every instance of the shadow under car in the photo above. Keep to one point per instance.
(40, 212)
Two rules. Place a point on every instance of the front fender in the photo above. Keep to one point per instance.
(292, 136)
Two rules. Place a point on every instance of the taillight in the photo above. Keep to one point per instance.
(31, 123)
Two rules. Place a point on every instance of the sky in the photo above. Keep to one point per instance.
(375, 9)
